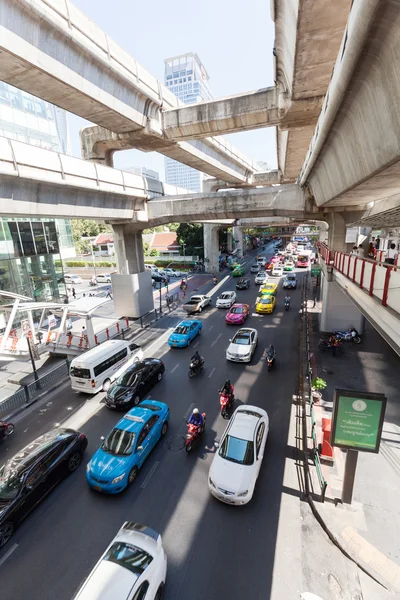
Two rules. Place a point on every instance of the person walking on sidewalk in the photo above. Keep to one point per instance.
(73, 293)
(109, 293)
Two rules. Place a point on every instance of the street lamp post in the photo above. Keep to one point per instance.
(94, 262)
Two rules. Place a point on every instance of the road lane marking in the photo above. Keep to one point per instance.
(8, 554)
(188, 412)
(175, 367)
(148, 397)
(216, 340)
(212, 372)
(194, 346)
(152, 470)
(209, 329)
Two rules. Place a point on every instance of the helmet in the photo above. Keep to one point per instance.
(195, 411)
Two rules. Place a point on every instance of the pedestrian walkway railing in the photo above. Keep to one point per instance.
(307, 391)
(32, 391)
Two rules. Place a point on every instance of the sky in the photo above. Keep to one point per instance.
(234, 40)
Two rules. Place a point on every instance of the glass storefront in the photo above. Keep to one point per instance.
(30, 260)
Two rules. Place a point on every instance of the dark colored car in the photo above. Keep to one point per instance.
(135, 383)
(243, 283)
(27, 478)
(157, 278)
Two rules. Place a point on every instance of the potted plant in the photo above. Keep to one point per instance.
(317, 385)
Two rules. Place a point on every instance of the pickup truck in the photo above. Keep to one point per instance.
(196, 304)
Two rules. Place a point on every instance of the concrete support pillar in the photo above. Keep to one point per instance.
(337, 232)
(211, 247)
(338, 311)
(90, 332)
(128, 246)
(132, 285)
(238, 237)
(229, 241)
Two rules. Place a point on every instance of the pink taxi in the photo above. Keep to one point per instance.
(237, 314)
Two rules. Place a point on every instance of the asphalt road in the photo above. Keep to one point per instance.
(214, 551)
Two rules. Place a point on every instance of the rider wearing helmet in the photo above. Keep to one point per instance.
(196, 358)
(271, 351)
(287, 299)
(227, 388)
(196, 418)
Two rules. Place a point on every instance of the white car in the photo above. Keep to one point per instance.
(243, 345)
(74, 279)
(226, 300)
(172, 273)
(255, 268)
(261, 277)
(133, 566)
(103, 278)
(236, 464)
(277, 271)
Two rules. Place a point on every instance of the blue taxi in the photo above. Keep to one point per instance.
(184, 333)
(116, 463)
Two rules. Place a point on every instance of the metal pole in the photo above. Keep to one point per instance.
(32, 360)
(160, 298)
(349, 476)
(94, 262)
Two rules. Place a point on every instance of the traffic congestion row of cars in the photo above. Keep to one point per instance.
(134, 564)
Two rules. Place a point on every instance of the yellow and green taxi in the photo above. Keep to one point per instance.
(288, 266)
(238, 271)
(234, 265)
(265, 304)
(269, 289)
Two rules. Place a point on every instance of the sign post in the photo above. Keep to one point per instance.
(315, 270)
(356, 426)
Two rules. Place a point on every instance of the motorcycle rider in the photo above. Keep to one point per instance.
(196, 418)
(215, 280)
(287, 299)
(271, 352)
(227, 389)
(196, 359)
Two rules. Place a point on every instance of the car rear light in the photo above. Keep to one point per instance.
(93, 383)
(82, 436)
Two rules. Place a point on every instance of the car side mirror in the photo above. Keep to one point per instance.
(102, 438)
(230, 340)
(140, 448)
(216, 444)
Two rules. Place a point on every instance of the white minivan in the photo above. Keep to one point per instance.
(97, 368)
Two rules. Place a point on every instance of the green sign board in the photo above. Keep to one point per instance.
(357, 420)
(315, 270)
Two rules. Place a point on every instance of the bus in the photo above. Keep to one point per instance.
(304, 259)
(97, 368)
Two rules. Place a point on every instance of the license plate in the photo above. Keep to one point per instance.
(81, 382)
(98, 488)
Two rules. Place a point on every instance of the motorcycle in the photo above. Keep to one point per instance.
(195, 368)
(6, 429)
(351, 335)
(92, 282)
(225, 401)
(287, 304)
(215, 281)
(193, 434)
(270, 361)
(331, 343)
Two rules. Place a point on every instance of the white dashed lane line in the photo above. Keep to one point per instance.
(8, 554)
(216, 340)
(174, 369)
(212, 372)
(188, 412)
(151, 473)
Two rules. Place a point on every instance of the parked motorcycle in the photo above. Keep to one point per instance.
(92, 283)
(333, 343)
(351, 335)
(226, 401)
(193, 434)
(195, 368)
(6, 429)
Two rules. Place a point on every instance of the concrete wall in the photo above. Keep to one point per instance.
(338, 311)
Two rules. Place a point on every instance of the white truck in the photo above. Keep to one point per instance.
(196, 304)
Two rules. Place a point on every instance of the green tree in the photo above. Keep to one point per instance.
(154, 252)
(146, 248)
(84, 228)
(190, 234)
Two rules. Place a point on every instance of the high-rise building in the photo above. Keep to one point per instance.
(31, 249)
(187, 78)
(144, 172)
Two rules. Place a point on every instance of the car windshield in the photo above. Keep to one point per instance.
(242, 338)
(79, 372)
(237, 450)
(266, 300)
(128, 378)
(10, 483)
(119, 442)
(237, 310)
(226, 296)
(181, 329)
(128, 556)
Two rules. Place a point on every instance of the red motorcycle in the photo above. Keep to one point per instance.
(6, 429)
(193, 433)
(226, 401)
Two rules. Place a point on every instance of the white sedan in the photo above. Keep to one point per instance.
(277, 271)
(260, 278)
(172, 273)
(236, 465)
(226, 300)
(133, 566)
(74, 279)
(243, 345)
(103, 278)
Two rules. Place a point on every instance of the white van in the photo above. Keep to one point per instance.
(97, 368)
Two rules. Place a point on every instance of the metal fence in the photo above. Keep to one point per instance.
(307, 389)
(29, 393)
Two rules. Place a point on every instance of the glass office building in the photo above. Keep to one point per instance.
(187, 78)
(31, 249)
